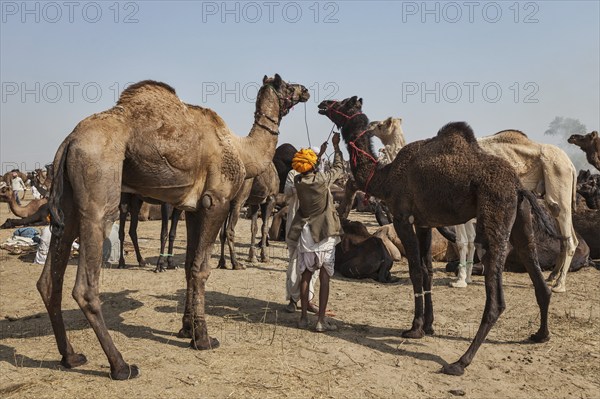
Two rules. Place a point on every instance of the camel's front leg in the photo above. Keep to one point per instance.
(424, 238)
(405, 232)
(266, 210)
(205, 224)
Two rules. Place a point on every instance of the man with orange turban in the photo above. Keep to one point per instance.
(293, 277)
(316, 227)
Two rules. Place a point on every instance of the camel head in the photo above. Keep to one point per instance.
(386, 127)
(581, 141)
(6, 193)
(340, 112)
(288, 95)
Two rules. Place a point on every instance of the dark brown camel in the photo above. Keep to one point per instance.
(443, 181)
(257, 193)
(152, 144)
(587, 224)
(588, 186)
(590, 144)
(361, 255)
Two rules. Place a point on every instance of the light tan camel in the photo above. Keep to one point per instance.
(390, 133)
(543, 168)
(22, 211)
(152, 144)
(258, 192)
(548, 171)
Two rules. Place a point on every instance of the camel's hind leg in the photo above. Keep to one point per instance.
(558, 277)
(523, 232)
(97, 208)
(134, 211)
(494, 231)
(50, 284)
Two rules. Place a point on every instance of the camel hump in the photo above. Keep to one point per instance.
(145, 88)
(510, 136)
(458, 128)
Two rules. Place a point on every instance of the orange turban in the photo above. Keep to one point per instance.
(304, 160)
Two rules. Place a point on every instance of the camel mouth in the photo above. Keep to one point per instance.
(324, 106)
(571, 140)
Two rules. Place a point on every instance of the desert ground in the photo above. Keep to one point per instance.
(264, 355)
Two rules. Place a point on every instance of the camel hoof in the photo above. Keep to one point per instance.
(126, 373)
(73, 361)
(429, 331)
(265, 259)
(453, 369)
(142, 262)
(416, 334)
(213, 343)
(551, 278)
(540, 337)
(184, 333)
(160, 269)
(252, 259)
(121, 265)
(238, 267)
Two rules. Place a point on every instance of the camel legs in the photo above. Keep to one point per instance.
(228, 233)
(418, 269)
(203, 227)
(266, 210)
(558, 277)
(50, 286)
(166, 211)
(523, 232)
(253, 229)
(494, 232)
(130, 204)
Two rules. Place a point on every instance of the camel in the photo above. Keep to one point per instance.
(389, 131)
(587, 224)
(362, 255)
(7, 177)
(588, 186)
(590, 144)
(443, 181)
(259, 193)
(542, 167)
(152, 144)
(22, 211)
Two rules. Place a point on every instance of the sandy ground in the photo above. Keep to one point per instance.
(263, 355)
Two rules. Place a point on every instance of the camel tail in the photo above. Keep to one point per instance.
(57, 224)
(546, 221)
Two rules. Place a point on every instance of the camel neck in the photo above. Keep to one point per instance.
(363, 161)
(15, 208)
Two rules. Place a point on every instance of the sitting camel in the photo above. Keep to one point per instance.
(35, 213)
(440, 249)
(442, 181)
(362, 255)
(590, 144)
(587, 224)
(160, 148)
(588, 186)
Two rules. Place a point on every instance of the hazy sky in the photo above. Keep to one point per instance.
(496, 65)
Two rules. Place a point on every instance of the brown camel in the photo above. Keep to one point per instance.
(590, 144)
(7, 177)
(152, 144)
(22, 211)
(588, 186)
(543, 168)
(258, 193)
(362, 255)
(443, 181)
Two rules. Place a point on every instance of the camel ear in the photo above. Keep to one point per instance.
(360, 101)
(277, 81)
(265, 79)
(594, 134)
(388, 121)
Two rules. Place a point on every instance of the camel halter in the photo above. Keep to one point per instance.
(354, 159)
(348, 117)
(283, 110)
